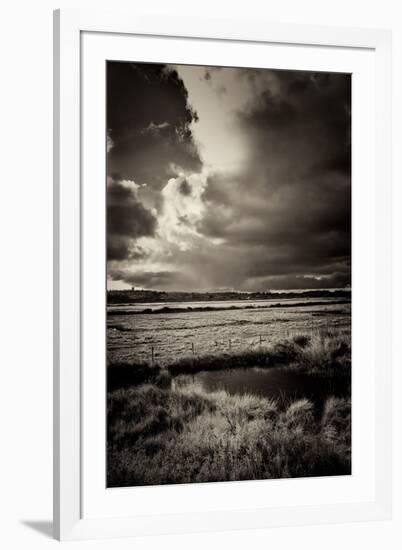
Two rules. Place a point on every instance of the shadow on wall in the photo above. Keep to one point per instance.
(43, 527)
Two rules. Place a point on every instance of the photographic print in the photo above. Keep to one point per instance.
(228, 239)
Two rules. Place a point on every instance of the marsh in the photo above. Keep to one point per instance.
(277, 411)
(229, 299)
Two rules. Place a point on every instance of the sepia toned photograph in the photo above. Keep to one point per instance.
(228, 236)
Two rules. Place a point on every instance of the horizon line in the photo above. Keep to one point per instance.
(270, 291)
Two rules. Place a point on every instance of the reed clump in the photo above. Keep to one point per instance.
(184, 434)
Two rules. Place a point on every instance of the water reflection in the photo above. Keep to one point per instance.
(276, 383)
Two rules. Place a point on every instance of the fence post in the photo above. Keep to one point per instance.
(260, 339)
(192, 347)
(230, 343)
(152, 352)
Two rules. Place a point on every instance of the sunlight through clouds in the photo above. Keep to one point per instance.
(241, 173)
(183, 208)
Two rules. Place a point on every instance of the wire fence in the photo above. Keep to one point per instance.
(229, 345)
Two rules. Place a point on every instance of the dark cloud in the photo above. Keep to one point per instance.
(185, 187)
(300, 282)
(127, 220)
(293, 198)
(164, 280)
(148, 119)
(279, 219)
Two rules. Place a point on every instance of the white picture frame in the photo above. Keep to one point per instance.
(78, 131)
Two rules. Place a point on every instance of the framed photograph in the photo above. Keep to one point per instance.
(222, 275)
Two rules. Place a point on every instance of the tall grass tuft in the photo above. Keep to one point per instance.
(183, 434)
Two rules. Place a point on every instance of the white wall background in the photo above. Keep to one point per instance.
(26, 271)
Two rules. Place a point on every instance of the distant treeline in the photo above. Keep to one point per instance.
(144, 296)
(167, 309)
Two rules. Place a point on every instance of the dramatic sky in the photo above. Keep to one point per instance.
(227, 178)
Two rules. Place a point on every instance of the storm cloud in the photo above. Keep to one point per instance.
(127, 220)
(238, 178)
(148, 118)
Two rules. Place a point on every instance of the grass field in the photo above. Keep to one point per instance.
(134, 337)
(162, 432)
